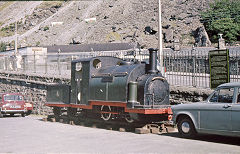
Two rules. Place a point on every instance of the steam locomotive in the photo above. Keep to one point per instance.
(111, 88)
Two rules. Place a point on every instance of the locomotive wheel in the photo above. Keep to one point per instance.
(128, 118)
(57, 111)
(71, 112)
(106, 116)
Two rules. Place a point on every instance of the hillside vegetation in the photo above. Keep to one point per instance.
(223, 17)
(101, 21)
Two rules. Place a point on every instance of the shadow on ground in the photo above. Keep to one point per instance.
(210, 138)
(172, 133)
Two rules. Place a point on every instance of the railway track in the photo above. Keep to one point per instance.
(117, 125)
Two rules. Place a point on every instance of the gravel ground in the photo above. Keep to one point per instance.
(32, 135)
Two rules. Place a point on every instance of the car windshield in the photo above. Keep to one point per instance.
(13, 98)
(224, 95)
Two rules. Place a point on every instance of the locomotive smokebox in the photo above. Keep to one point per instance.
(153, 61)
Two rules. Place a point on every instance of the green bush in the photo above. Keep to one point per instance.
(45, 28)
(223, 17)
(3, 47)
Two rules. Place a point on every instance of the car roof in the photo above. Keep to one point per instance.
(231, 84)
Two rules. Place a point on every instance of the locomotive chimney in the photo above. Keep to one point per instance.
(153, 61)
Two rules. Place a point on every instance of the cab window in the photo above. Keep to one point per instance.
(223, 95)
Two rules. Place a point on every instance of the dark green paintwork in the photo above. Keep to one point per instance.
(132, 97)
(219, 67)
(58, 93)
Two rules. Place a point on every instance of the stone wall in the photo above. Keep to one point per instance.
(183, 95)
(35, 91)
(34, 88)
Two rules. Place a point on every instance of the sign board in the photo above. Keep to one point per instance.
(37, 49)
(219, 67)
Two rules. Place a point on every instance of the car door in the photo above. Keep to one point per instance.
(236, 115)
(215, 116)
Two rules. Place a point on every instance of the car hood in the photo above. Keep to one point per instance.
(13, 103)
(188, 106)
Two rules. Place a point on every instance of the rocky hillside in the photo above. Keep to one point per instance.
(101, 21)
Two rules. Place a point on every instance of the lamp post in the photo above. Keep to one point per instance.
(160, 53)
(16, 39)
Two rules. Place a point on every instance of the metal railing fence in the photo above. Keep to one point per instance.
(55, 64)
(183, 68)
(191, 67)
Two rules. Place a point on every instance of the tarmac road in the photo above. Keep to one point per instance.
(32, 135)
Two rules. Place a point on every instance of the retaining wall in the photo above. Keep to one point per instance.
(34, 88)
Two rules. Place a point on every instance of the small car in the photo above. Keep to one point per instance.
(13, 103)
(219, 114)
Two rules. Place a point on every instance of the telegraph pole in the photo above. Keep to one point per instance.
(16, 39)
(160, 53)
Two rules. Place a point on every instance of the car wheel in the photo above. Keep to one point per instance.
(1, 115)
(23, 114)
(12, 114)
(29, 112)
(186, 127)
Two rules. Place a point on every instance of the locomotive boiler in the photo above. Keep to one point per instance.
(113, 89)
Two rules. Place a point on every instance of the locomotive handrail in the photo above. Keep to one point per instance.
(158, 78)
(118, 74)
(101, 75)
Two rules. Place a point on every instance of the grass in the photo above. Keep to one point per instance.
(4, 5)
(49, 4)
(7, 30)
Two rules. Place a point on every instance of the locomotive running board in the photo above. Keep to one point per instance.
(164, 110)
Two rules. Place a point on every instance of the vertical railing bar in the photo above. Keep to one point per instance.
(204, 69)
(200, 67)
(178, 67)
(186, 62)
(170, 67)
(34, 57)
(172, 60)
(175, 68)
(237, 58)
(46, 57)
(181, 77)
(189, 65)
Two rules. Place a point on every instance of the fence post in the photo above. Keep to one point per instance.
(59, 67)
(23, 61)
(46, 64)
(6, 63)
(193, 52)
(34, 61)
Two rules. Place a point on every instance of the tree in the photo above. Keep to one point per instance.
(223, 17)
(3, 47)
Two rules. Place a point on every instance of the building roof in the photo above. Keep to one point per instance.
(90, 47)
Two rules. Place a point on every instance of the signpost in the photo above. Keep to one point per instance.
(219, 67)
